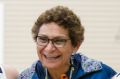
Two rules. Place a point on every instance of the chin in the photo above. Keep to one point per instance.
(52, 66)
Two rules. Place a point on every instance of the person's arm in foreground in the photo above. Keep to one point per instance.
(10, 72)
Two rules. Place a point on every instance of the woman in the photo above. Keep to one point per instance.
(8, 72)
(58, 34)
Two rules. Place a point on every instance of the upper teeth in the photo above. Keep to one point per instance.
(51, 56)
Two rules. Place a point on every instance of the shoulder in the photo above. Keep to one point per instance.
(94, 67)
(28, 73)
(108, 70)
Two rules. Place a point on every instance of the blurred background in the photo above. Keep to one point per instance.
(101, 19)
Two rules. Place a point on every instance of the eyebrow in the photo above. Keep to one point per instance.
(54, 36)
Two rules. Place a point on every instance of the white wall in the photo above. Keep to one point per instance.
(1, 32)
(101, 19)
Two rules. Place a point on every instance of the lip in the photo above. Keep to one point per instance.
(52, 57)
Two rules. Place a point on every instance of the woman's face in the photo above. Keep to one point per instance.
(57, 53)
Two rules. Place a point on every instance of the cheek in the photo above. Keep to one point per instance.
(39, 51)
(67, 53)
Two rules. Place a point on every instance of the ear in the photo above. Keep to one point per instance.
(76, 47)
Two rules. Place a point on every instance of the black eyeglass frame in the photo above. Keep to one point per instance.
(56, 42)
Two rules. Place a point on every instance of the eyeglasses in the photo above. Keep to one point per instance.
(57, 42)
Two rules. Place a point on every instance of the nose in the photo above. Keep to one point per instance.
(50, 47)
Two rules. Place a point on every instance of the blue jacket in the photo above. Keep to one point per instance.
(85, 68)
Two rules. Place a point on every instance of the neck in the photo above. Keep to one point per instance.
(56, 73)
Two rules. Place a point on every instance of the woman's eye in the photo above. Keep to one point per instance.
(60, 41)
(42, 39)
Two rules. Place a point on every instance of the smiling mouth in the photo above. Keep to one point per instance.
(52, 57)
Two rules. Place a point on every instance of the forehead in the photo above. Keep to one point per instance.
(52, 30)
